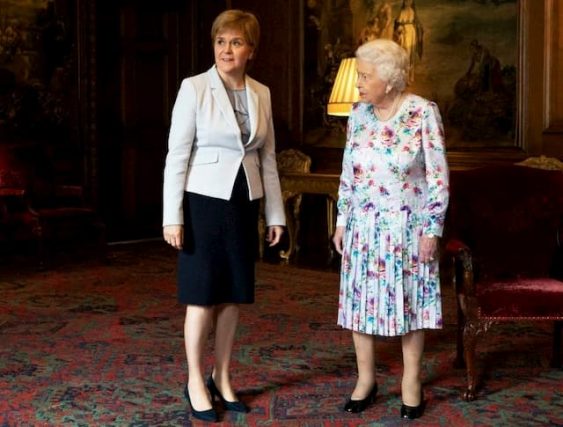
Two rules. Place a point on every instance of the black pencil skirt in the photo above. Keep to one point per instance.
(217, 262)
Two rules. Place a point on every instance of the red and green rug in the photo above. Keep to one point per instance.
(101, 345)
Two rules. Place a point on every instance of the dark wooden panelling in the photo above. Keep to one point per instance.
(279, 63)
(553, 134)
(142, 53)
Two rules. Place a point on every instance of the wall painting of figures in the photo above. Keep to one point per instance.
(464, 55)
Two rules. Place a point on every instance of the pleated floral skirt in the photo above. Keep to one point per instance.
(384, 289)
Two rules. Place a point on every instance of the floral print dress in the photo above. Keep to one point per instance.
(393, 189)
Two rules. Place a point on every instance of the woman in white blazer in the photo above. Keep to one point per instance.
(220, 162)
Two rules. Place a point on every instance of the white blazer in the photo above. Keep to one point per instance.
(205, 148)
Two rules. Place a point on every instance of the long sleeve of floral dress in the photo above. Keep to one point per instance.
(346, 179)
(437, 177)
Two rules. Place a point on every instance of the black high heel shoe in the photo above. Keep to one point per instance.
(356, 406)
(413, 412)
(207, 415)
(236, 406)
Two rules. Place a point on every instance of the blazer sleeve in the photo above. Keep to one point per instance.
(180, 142)
(273, 203)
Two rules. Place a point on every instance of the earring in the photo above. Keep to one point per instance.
(388, 89)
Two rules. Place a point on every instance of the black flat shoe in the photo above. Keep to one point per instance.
(207, 415)
(236, 406)
(413, 412)
(356, 406)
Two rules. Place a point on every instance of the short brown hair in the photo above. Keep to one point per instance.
(240, 20)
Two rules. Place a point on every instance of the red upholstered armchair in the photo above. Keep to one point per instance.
(504, 239)
(35, 207)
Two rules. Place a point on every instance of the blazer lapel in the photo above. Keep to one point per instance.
(220, 95)
(253, 106)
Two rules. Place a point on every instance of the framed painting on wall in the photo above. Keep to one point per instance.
(47, 80)
(38, 71)
(464, 55)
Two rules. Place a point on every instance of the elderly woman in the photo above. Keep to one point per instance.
(392, 202)
(221, 161)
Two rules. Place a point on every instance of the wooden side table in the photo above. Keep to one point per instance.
(294, 184)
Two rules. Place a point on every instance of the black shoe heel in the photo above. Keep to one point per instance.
(236, 406)
(207, 415)
(413, 412)
(355, 406)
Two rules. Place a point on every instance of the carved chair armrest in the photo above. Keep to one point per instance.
(69, 191)
(12, 192)
(460, 255)
(455, 246)
(69, 195)
(14, 201)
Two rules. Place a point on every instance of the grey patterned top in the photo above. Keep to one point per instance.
(240, 106)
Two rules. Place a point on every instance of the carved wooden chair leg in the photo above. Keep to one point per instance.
(457, 279)
(331, 221)
(286, 255)
(556, 355)
(38, 231)
(459, 361)
(101, 241)
(261, 230)
(469, 343)
(297, 220)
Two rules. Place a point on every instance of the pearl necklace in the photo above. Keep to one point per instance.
(392, 110)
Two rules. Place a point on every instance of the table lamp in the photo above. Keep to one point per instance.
(344, 91)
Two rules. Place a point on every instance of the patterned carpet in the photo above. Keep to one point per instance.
(91, 345)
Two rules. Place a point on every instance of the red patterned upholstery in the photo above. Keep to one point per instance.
(539, 298)
(503, 232)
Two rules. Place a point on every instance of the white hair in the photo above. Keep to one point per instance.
(390, 60)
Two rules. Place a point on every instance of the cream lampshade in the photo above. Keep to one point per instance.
(344, 92)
